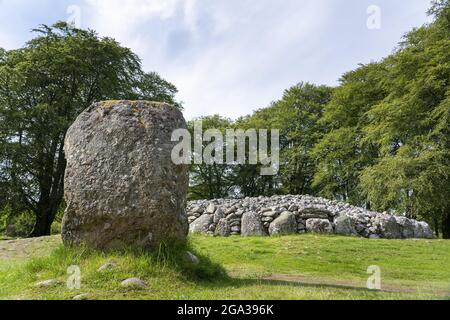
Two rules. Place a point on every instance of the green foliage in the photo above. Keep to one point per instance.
(15, 225)
(411, 129)
(297, 116)
(387, 144)
(342, 153)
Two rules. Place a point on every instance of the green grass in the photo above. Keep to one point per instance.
(294, 267)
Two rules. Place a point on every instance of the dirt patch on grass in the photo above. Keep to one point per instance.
(346, 284)
(24, 249)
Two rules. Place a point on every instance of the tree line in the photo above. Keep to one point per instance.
(380, 139)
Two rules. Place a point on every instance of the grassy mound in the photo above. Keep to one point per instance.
(294, 267)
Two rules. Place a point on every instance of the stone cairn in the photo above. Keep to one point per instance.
(284, 215)
(121, 187)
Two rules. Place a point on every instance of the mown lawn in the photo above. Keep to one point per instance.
(293, 267)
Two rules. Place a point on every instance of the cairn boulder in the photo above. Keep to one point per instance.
(319, 226)
(387, 226)
(252, 225)
(285, 224)
(122, 188)
(345, 226)
(202, 224)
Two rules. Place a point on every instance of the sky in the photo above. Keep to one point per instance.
(231, 57)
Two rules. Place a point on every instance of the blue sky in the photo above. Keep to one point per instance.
(231, 56)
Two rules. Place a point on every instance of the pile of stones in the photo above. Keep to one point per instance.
(292, 214)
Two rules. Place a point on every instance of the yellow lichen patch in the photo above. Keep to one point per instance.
(109, 103)
(132, 103)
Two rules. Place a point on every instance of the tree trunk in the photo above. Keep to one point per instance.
(43, 224)
(50, 198)
(446, 226)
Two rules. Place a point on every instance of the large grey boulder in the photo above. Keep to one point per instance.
(407, 227)
(121, 186)
(223, 228)
(388, 227)
(319, 226)
(423, 230)
(134, 283)
(344, 226)
(218, 215)
(252, 225)
(285, 224)
(202, 224)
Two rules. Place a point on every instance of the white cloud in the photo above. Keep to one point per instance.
(226, 53)
(230, 56)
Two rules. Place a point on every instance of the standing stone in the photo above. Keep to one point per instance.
(121, 186)
(285, 224)
(252, 225)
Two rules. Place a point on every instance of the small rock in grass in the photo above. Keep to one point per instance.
(48, 283)
(83, 296)
(191, 258)
(107, 266)
(134, 283)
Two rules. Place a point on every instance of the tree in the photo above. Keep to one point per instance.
(296, 115)
(302, 107)
(210, 180)
(411, 127)
(342, 153)
(43, 87)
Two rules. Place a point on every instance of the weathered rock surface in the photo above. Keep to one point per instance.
(48, 283)
(134, 283)
(202, 224)
(299, 214)
(223, 228)
(285, 224)
(387, 226)
(344, 226)
(252, 225)
(83, 296)
(191, 258)
(319, 226)
(121, 186)
(107, 266)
